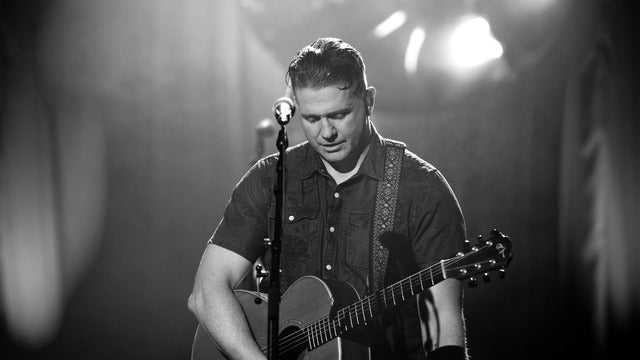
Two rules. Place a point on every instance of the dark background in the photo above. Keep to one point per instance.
(126, 124)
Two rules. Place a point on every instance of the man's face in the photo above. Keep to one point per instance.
(335, 123)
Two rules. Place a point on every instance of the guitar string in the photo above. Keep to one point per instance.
(361, 306)
(319, 328)
(301, 336)
(324, 325)
(320, 335)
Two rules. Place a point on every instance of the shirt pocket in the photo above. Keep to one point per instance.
(299, 232)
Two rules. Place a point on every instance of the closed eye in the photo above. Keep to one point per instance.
(336, 115)
(339, 114)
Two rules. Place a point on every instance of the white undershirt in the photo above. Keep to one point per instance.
(341, 177)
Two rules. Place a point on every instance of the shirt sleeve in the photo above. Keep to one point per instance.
(244, 225)
(436, 221)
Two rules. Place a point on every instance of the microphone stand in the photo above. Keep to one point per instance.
(274, 273)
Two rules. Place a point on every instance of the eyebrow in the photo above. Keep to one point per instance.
(332, 113)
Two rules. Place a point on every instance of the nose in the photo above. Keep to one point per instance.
(327, 131)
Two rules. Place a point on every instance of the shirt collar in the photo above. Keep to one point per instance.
(372, 165)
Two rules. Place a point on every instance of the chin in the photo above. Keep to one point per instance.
(333, 157)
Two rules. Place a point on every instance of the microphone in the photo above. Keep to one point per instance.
(283, 110)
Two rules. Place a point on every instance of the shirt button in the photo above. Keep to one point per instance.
(332, 229)
(329, 267)
(336, 195)
(291, 217)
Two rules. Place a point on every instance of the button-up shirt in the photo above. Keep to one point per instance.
(327, 227)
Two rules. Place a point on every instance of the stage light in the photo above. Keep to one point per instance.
(413, 50)
(472, 43)
(390, 24)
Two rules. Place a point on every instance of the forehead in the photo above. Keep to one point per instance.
(312, 100)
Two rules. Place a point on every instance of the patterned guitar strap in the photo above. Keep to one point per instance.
(384, 216)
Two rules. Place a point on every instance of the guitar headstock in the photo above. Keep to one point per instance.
(486, 255)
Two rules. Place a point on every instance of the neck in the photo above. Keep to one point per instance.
(342, 176)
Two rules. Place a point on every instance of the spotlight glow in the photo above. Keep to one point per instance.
(391, 24)
(413, 50)
(472, 43)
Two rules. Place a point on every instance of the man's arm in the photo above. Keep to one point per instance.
(443, 323)
(215, 305)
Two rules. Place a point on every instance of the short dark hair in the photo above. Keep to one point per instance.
(325, 62)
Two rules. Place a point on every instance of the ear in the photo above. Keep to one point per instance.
(370, 99)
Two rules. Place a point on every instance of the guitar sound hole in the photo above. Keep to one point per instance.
(293, 344)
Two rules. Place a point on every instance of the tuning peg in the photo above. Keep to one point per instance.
(502, 273)
(266, 242)
(467, 245)
(486, 277)
(480, 239)
(473, 282)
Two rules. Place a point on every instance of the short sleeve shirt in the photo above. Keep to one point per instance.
(327, 227)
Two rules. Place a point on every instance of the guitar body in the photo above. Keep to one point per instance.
(307, 300)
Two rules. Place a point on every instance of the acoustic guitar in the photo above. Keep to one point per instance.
(319, 319)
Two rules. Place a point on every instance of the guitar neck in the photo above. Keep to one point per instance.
(491, 254)
(362, 311)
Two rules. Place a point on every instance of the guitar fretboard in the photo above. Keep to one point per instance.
(488, 255)
(362, 311)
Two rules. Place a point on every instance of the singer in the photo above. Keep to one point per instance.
(361, 210)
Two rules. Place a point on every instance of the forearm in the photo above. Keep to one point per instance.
(220, 313)
(442, 319)
(451, 339)
(216, 307)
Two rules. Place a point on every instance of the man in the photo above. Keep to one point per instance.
(331, 192)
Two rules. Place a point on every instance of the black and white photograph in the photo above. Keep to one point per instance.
(320, 179)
